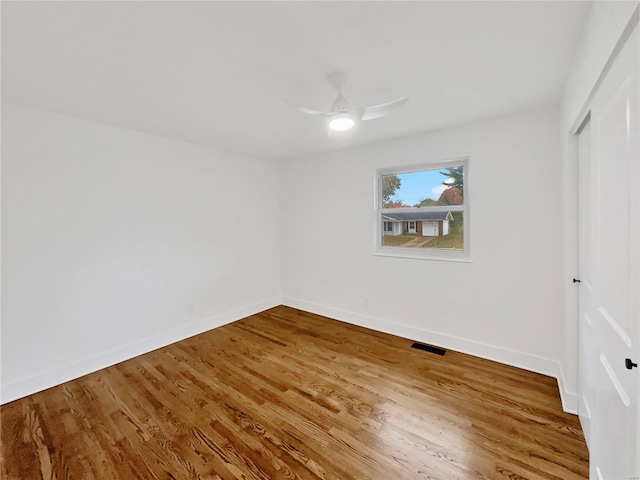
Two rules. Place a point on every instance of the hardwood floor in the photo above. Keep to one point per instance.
(288, 394)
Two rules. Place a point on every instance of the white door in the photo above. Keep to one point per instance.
(610, 294)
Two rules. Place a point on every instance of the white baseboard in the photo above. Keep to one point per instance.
(534, 363)
(56, 376)
(569, 398)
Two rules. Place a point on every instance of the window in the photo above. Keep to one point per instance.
(423, 211)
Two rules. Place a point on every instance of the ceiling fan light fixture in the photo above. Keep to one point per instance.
(342, 117)
(341, 122)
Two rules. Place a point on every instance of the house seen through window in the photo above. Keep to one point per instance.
(424, 209)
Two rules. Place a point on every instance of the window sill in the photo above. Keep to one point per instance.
(440, 255)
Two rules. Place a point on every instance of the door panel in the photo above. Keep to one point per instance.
(612, 198)
(609, 298)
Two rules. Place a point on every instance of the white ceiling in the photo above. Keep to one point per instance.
(216, 73)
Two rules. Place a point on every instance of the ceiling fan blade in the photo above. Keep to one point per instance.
(310, 111)
(377, 111)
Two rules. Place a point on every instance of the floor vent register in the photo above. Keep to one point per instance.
(429, 348)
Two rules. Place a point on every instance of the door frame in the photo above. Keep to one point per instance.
(580, 274)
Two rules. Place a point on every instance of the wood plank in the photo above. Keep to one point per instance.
(292, 395)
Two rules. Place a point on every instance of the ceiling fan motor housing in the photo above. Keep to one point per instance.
(340, 105)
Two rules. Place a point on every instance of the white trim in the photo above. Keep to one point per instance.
(428, 253)
(533, 363)
(587, 409)
(581, 119)
(424, 254)
(419, 167)
(569, 399)
(56, 376)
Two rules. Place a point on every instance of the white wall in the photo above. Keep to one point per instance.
(606, 23)
(108, 234)
(507, 304)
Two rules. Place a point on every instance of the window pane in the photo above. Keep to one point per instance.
(428, 229)
(442, 186)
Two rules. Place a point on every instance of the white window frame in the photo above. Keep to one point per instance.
(424, 253)
(384, 228)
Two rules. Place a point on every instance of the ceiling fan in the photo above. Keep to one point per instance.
(342, 116)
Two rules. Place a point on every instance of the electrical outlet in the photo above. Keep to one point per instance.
(190, 307)
(366, 301)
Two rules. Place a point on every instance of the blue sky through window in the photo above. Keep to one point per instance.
(416, 186)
